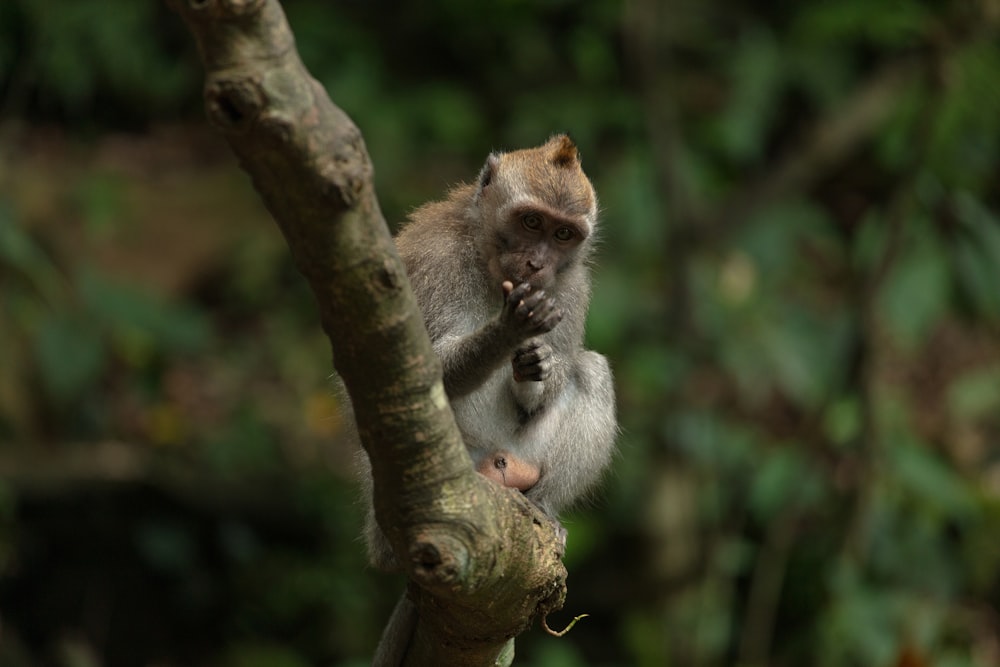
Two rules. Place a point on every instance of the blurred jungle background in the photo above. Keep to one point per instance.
(798, 287)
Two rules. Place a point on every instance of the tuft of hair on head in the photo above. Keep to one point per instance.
(564, 153)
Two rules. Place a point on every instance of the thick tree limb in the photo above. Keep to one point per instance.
(455, 531)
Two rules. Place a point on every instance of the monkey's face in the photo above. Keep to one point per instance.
(538, 209)
(534, 244)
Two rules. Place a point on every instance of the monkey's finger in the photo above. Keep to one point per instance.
(507, 287)
(533, 372)
(533, 300)
(549, 323)
(518, 294)
(544, 309)
(533, 305)
(532, 355)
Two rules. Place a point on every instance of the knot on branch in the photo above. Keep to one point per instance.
(438, 561)
(347, 168)
(389, 276)
(551, 598)
(233, 105)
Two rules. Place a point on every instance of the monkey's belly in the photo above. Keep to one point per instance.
(489, 421)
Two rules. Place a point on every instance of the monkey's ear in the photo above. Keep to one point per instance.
(488, 171)
(564, 151)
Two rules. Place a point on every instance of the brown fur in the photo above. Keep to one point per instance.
(560, 423)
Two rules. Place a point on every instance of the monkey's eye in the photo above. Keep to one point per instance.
(563, 234)
(532, 221)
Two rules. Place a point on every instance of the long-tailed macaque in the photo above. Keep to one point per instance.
(499, 269)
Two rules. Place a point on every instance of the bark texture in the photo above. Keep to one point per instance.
(482, 561)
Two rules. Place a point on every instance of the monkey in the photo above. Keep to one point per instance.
(500, 271)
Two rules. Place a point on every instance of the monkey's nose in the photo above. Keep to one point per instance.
(535, 265)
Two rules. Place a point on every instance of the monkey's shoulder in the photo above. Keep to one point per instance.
(446, 217)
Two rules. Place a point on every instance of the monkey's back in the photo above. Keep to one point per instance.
(436, 245)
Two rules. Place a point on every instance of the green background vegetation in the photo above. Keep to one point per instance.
(798, 287)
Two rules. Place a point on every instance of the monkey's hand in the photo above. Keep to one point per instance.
(528, 313)
(507, 469)
(532, 361)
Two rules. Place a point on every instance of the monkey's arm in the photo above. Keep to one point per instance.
(468, 361)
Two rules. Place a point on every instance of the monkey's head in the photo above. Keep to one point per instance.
(537, 210)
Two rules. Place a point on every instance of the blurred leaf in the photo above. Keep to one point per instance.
(20, 254)
(708, 439)
(654, 370)
(895, 145)
(559, 653)
(594, 56)
(824, 71)
(915, 293)
(99, 197)
(632, 209)
(448, 116)
(139, 321)
(257, 654)
(244, 447)
(776, 235)
(851, 20)
(842, 420)
(981, 549)
(963, 135)
(584, 535)
(975, 394)
(70, 356)
(786, 348)
(75, 52)
(757, 74)
(646, 639)
(870, 242)
(858, 627)
(931, 481)
(168, 547)
(977, 255)
(783, 481)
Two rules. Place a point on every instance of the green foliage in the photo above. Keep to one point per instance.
(67, 58)
(802, 321)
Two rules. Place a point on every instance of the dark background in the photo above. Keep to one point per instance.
(798, 286)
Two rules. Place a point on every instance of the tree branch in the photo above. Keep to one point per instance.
(454, 531)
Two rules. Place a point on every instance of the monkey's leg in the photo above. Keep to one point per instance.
(573, 435)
